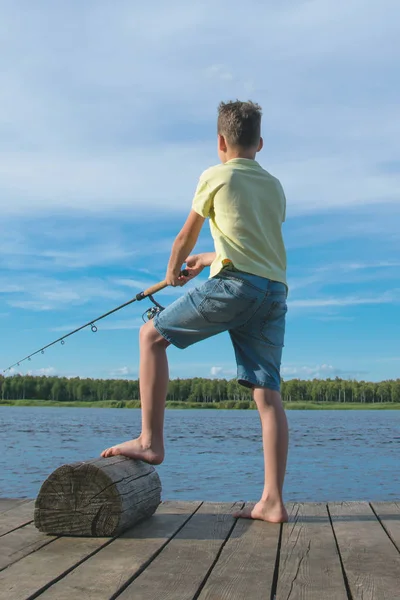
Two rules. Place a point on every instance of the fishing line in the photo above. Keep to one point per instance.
(150, 313)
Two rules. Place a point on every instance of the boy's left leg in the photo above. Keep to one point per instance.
(275, 436)
(153, 381)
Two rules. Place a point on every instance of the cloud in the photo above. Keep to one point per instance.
(133, 283)
(222, 372)
(334, 318)
(373, 223)
(75, 243)
(46, 371)
(139, 285)
(100, 154)
(308, 371)
(26, 254)
(390, 297)
(10, 288)
(102, 254)
(215, 371)
(317, 371)
(346, 267)
(372, 265)
(93, 122)
(41, 293)
(123, 372)
(219, 72)
(343, 275)
(115, 325)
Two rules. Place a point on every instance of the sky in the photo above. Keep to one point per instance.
(107, 119)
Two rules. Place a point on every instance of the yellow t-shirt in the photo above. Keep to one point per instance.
(246, 206)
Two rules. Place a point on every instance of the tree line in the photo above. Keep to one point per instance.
(63, 389)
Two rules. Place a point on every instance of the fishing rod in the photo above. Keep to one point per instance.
(150, 313)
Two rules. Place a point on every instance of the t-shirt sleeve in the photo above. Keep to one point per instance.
(203, 199)
(284, 204)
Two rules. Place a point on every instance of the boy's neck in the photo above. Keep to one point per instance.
(231, 154)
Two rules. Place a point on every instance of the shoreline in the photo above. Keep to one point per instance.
(228, 405)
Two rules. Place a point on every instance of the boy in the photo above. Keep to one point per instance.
(245, 295)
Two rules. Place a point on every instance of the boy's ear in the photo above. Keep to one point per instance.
(222, 143)
(260, 145)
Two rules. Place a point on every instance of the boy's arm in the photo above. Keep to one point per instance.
(196, 263)
(183, 245)
(207, 258)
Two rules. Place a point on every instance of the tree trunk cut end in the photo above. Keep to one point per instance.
(97, 498)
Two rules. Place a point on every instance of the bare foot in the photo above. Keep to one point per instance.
(265, 510)
(154, 455)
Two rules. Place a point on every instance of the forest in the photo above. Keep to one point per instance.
(195, 390)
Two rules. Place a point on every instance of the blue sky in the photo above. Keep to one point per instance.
(107, 118)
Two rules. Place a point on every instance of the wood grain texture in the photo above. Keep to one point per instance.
(103, 575)
(183, 564)
(245, 568)
(178, 555)
(21, 542)
(309, 566)
(8, 503)
(389, 514)
(32, 573)
(16, 517)
(371, 562)
(101, 497)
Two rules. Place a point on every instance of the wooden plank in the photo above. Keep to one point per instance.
(8, 503)
(21, 542)
(34, 572)
(16, 517)
(103, 575)
(183, 564)
(245, 568)
(309, 565)
(389, 514)
(371, 562)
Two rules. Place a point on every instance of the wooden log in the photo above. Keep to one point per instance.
(100, 498)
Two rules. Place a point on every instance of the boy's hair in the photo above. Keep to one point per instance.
(240, 123)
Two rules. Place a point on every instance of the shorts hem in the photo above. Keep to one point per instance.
(249, 382)
(165, 335)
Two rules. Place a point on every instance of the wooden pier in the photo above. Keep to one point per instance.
(196, 550)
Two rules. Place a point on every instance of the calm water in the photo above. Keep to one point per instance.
(213, 455)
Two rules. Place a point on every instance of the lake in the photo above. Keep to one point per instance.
(213, 455)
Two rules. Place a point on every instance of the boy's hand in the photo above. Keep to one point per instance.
(195, 265)
(174, 278)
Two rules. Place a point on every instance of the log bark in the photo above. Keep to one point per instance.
(97, 498)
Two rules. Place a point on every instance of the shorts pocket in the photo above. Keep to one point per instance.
(229, 302)
(273, 326)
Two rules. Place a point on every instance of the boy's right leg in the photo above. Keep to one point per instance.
(153, 381)
(199, 314)
(275, 437)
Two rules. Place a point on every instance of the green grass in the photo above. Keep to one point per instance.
(229, 404)
(78, 404)
(341, 406)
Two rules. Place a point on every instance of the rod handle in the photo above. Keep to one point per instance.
(157, 287)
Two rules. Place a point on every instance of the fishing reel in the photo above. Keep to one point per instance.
(152, 311)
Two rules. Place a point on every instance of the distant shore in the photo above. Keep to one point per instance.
(226, 405)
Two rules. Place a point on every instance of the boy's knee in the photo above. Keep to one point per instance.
(266, 396)
(149, 335)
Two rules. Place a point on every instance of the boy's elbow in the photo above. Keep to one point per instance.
(184, 239)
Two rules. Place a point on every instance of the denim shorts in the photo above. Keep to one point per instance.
(251, 308)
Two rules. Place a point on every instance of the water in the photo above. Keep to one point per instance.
(213, 455)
